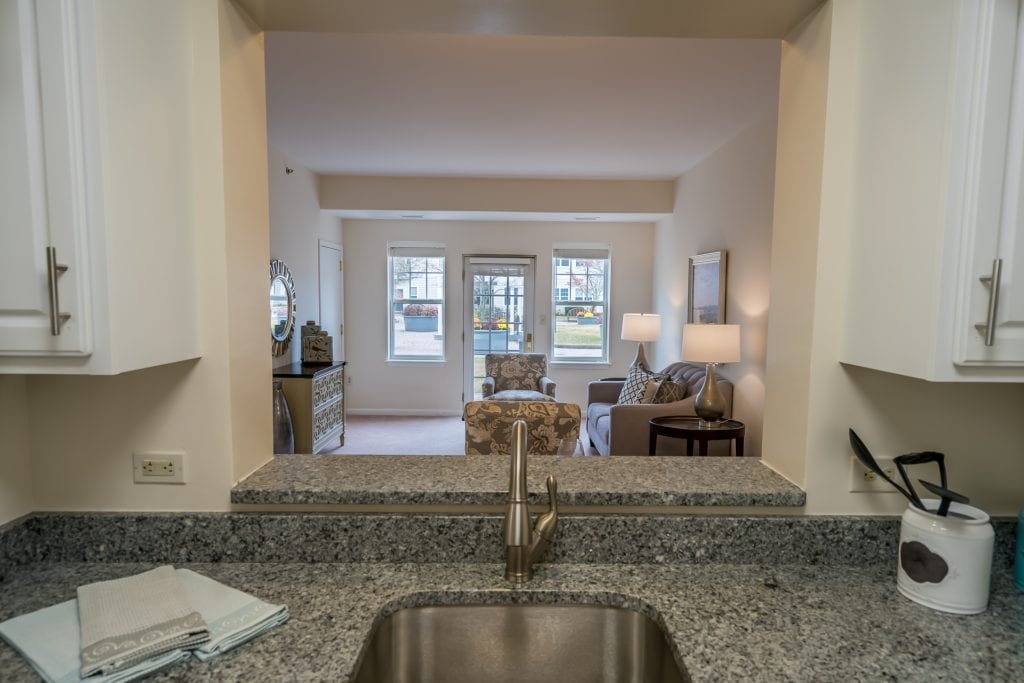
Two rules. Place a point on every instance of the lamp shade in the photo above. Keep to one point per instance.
(711, 343)
(641, 327)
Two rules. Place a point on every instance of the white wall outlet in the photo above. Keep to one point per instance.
(863, 480)
(163, 467)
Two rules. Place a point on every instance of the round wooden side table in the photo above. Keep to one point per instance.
(695, 429)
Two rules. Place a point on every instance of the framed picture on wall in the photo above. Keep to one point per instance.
(707, 288)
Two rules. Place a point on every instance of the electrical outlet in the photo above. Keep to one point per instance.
(164, 467)
(863, 480)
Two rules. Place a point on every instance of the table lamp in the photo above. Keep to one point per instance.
(710, 344)
(641, 327)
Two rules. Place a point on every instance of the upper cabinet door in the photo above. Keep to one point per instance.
(42, 183)
(988, 184)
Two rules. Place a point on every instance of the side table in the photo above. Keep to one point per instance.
(694, 429)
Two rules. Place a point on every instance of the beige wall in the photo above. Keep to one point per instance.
(84, 429)
(381, 386)
(376, 193)
(725, 202)
(16, 496)
(296, 223)
(803, 81)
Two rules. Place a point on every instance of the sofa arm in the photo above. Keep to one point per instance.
(604, 391)
(630, 429)
(487, 387)
(547, 386)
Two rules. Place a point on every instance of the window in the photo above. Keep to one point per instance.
(580, 303)
(416, 328)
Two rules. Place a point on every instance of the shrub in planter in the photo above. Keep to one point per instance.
(420, 317)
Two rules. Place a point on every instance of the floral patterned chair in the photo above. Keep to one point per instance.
(517, 377)
(552, 428)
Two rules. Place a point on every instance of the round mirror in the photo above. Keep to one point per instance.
(282, 307)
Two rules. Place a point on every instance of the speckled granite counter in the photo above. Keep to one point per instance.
(726, 622)
(481, 480)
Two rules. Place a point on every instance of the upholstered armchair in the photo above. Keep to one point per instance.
(552, 428)
(517, 377)
(618, 429)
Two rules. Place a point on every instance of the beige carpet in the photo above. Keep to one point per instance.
(403, 435)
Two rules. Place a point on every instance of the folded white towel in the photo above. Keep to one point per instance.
(233, 617)
(127, 621)
(49, 639)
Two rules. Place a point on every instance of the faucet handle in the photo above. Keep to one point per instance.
(548, 521)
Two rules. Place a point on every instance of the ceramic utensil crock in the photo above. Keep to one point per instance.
(946, 562)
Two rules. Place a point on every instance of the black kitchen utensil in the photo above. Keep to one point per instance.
(868, 460)
(946, 495)
(919, 459)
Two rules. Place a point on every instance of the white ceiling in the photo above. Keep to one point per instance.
(512, 106)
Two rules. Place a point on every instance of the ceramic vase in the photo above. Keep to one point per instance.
(284, 436)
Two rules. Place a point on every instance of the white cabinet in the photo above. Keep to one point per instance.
(95, 127)
(935, 189)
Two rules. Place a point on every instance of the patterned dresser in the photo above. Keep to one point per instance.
(316, 400)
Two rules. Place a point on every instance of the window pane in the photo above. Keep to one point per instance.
(579, 298)
(417, 307)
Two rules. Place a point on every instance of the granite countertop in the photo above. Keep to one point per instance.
(726, 622)
(482, 480)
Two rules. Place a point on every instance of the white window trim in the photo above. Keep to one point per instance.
(426, 249)
(584, 251)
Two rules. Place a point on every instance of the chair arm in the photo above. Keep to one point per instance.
(487, 387)
(630, 429)
(547, 386)
(604, 391)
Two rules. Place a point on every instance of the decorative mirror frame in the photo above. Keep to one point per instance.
(279, 269)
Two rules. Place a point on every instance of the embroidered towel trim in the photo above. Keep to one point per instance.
(126, 621)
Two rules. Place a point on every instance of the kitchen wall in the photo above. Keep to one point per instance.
(77, 434)
(725, 202)
(296, 223)
(15, 450)
(812, 400)
(435, 388)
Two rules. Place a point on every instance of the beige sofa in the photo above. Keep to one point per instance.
(616, 429)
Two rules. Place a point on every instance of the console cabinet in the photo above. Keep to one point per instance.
(316, 401)
(97, 186)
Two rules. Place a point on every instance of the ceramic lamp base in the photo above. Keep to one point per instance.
(709, 405)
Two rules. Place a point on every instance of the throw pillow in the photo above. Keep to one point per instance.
(636, 384)
(669, 392)
(651, 390)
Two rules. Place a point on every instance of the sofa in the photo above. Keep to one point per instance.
(616, 429)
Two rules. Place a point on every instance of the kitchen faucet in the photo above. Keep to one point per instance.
(524, 547)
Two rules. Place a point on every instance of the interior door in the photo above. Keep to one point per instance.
(332, 295)
(498, 312)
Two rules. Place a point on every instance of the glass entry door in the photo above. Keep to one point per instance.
(498, 312)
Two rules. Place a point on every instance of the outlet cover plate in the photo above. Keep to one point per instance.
(862, 480)
(158, 467)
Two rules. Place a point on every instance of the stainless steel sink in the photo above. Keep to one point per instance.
(518, 644)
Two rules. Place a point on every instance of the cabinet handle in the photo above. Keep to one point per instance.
(53, 271)
(988, 329)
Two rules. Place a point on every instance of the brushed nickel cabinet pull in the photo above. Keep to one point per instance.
(988, 328)
(53, 271)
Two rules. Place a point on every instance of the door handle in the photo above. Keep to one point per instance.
(988, 328)
(53, 271)
(529, 342)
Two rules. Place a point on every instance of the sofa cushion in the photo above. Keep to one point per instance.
(636, 385)
(520, 395)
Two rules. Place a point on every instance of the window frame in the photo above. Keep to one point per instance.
(416, 250)
(575, 254)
